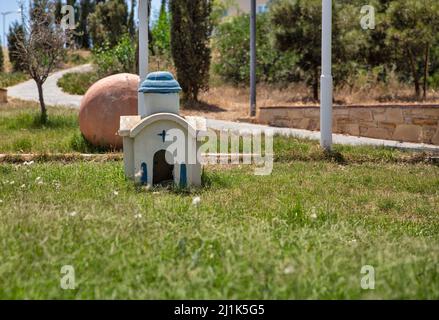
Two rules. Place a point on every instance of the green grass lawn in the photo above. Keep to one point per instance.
(303, 232)
(20, 123)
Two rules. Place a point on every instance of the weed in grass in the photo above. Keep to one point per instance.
(22, 145)
(78, 143)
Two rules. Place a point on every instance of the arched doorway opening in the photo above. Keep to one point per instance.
(163, 172)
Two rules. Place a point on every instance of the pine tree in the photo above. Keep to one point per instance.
(108, 22)
(131, 23)
(87, 8)
(191, 29)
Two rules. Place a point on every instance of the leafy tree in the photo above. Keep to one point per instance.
(161, 32)
(191, 29)
(297, 28)
(108, 22)
(15, 36)
(220, 9)
(42, 46)
(413, 31)
(231, 42)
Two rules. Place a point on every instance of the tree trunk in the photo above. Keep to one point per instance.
(426, 69)
(315, 85)
(415, 74)
(42, 103)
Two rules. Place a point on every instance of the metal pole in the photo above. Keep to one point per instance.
(253, 59)
(4, 30)
(326, 79)
(143, 50)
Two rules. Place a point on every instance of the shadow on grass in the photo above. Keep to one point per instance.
(208, 181)
(79, 144)
(202, 106)
(335, 156)
(32, 121)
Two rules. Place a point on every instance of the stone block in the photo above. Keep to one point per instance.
(379, 115)
(312, 112)
(425, 122)
(420, 111)
(350, 129)
(428, 133)
(387, 125)
(435, 139)
(394, 115)
(362, 114)
(408, 133)
(378, 133)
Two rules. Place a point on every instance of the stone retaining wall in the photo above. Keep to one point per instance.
(407, 123)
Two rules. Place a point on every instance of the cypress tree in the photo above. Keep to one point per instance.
(191, 28)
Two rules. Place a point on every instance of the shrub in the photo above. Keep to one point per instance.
(120, 59)
(77, 83)
(10, 79)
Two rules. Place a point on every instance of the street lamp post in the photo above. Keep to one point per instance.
(253, 58)
(5, 14)
(143, 50)
(326, 79)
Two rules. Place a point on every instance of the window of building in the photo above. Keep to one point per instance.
(262, 8)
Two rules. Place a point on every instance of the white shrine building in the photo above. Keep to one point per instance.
(160, 146)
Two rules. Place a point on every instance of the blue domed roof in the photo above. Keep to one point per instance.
(160, 82)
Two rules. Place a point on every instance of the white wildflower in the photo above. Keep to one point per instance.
(196, 201)
(1, 201)
(12, 183)
(313, 214)
(73, 214)
(116, 193)
(138, 216)
(289, 270)
(23, 186)
(28, 163)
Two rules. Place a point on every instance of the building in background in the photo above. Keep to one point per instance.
(243, 7)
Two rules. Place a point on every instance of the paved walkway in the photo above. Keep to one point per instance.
(55, 96)
(312, 135)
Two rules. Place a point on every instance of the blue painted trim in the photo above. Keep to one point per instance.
(160, 82)
(144, 172)
(183, 176)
